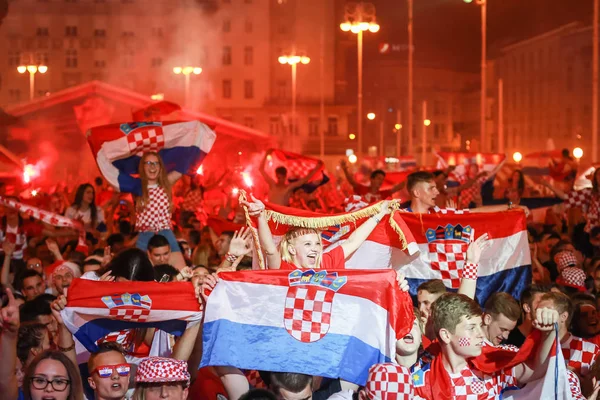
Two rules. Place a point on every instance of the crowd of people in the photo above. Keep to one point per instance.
(162, 232)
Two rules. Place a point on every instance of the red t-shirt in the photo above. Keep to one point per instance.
(365, 192)
(333, 259)
(207, 386)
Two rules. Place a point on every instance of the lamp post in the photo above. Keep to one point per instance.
(32, 69)
(482, 128)
(294, 60)
(359, 17)
(187, 72)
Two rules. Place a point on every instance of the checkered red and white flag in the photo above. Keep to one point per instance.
(297, 165)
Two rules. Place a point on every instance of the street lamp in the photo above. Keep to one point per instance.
(517, 157)
(371, 116)
(32, 69)
(293, 60)
(187, 72)
(359, 17)
(483, 4)
(578, 153)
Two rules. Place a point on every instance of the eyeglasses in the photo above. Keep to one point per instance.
(58, 384)
(106, 371)
(152, 163)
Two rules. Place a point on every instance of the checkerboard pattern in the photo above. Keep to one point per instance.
(473, 385)
(574, 386)
(470, 270)
(124, 338)
(448, 258)
(389, 382)
(578, 198)
(307, 313)
(156, 215)
(472, 193)
(136, 314)
(449, 211)
(579, 354)
(255, 380)
(145, 139)
(160, 369)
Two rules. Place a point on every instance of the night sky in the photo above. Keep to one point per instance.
(448, 31)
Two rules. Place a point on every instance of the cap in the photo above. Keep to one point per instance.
(389, 382)
(565, 259)
(160, 369)
(573, 277)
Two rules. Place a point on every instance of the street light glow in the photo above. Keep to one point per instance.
(374, 28)
(427, 122)
(32, 69)
(352, 158)
(398, 126)
(197, 70)
(42, 69)
(371, 116)
(345, 26)
(517, 157)
(22, 69)
(177, 70)
(305, 60)
(578, 152)
(352, 136)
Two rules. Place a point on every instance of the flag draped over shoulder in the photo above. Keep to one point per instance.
(443, 240)
(485, 161)
(383, 246)
(298, 166)
(118, 148)
(95, 309)
(324, 323)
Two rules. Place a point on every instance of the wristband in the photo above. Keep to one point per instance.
(470, 270)
(65, 349)
(230, 257)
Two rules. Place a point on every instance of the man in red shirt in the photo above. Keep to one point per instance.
(373, 192)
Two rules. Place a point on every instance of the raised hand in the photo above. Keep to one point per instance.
(477, 247)
(57, 306)
(450, 203)
(52, 246)
(9, 316)
(107, 277)
(240, 243)
(205, 289)
(255, 207)
(545, 318)
(186, 274)
(402, 282)
(8, 247)
(106, 257)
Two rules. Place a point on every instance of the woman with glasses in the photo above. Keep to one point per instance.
(51, 375)
(154, 205)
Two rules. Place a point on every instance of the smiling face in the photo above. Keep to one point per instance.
(151, 168)
(498, 328)
(410, 343)
(306, 250)
(587, 323)
(50, 370)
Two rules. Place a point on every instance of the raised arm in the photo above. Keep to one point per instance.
(468, 283)
(261, 168)
(66, 344)
(8, 249)
(9, 330)
(174, 176)
(347, 173)
(256, 208)
(308, 177)
(558, 192)
(362, 232)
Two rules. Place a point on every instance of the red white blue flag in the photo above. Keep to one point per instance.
(334, 324)
(118, 148)
(443, 240)
(461, 161)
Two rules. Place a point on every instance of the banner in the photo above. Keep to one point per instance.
(485, 161)
(118, 148)
(443, 240)
(334, 324)
(298, 166)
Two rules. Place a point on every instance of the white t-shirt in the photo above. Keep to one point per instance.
(85, 216)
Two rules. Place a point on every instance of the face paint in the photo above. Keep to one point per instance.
(464, 342)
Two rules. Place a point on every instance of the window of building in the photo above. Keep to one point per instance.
(71, 58)
(249, 122)
(128, 34)
(70, 30)
(274, 125)
(438, 130)
(226, 55)
(248, 89)
(15, 94)
(42, 31)
(100, 64)
(156, 62)
(42, 58)
(227, 25)
(157, 32)
(248, 55)
(248, 26)
(14, 58)
(313, 126)
(227, 88)
(100, 32)
(281, 89)
(332, 126)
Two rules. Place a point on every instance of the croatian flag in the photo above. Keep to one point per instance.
(118, 148)
(388, 240)
(334, 324)
(549, 163)
(485, 161)
(443, 240)
(298, 166)
(96, 309)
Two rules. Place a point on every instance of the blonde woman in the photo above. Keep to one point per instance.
(302, 247)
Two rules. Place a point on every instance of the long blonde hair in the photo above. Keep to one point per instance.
(286, 243)
(163, 181)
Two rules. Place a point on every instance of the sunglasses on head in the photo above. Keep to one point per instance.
(106, 371)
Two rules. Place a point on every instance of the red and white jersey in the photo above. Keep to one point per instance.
(472, 193)
(156, 216)
(508, 347)
(574, 386)
(16, 235)
(193, 201)
(474, 385)
(579, 354)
